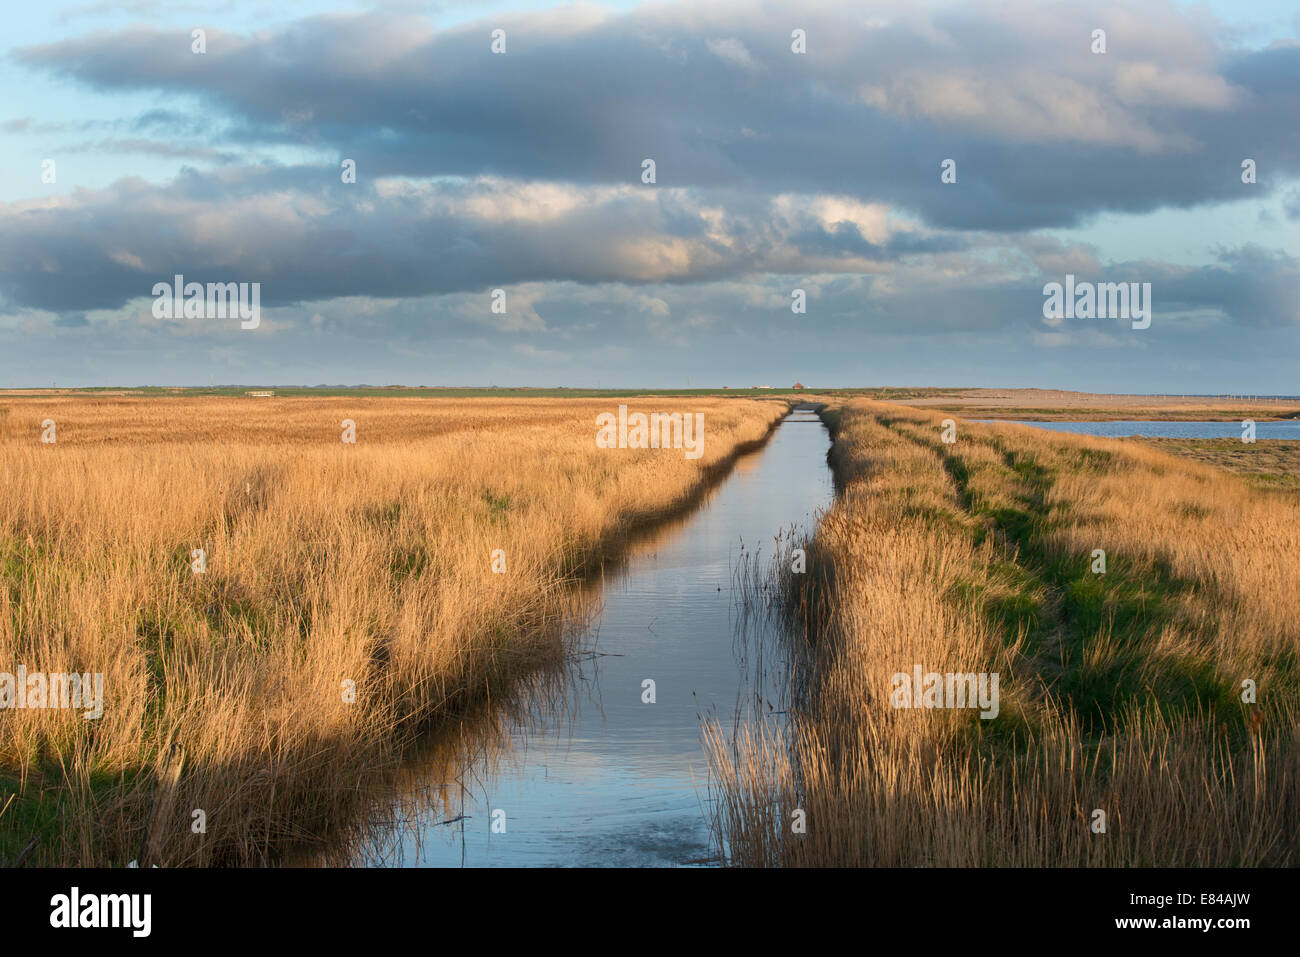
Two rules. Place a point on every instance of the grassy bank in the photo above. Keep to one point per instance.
(327, 565)
(1120, 691)
(1268, 463)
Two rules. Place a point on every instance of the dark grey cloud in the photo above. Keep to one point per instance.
(1044, 131)
(1251, 286)
(401, 240)
(101, 249)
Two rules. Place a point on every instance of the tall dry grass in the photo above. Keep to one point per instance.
(1119, 692)
(326, 563)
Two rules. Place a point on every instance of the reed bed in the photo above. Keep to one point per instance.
(1120, 691)
(326, 563)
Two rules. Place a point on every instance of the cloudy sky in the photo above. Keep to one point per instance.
(774, 171)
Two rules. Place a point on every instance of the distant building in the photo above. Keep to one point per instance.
(798, 385)
(261, 395)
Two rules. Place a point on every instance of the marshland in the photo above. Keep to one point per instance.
(347, 604)
(352, 678)
(1149, 711)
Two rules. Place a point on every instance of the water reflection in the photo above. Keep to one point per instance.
(587, 772)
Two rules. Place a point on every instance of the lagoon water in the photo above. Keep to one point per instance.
(1289, 429)
(586, 773)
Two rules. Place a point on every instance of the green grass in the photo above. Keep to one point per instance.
(42, 808)
(498, 505)
(408, 562)
(1094, 632)
(35, 812)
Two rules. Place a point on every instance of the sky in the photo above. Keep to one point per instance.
(126, 158)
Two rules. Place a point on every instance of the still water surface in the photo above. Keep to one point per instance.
(590, 775)
(1289, 429)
